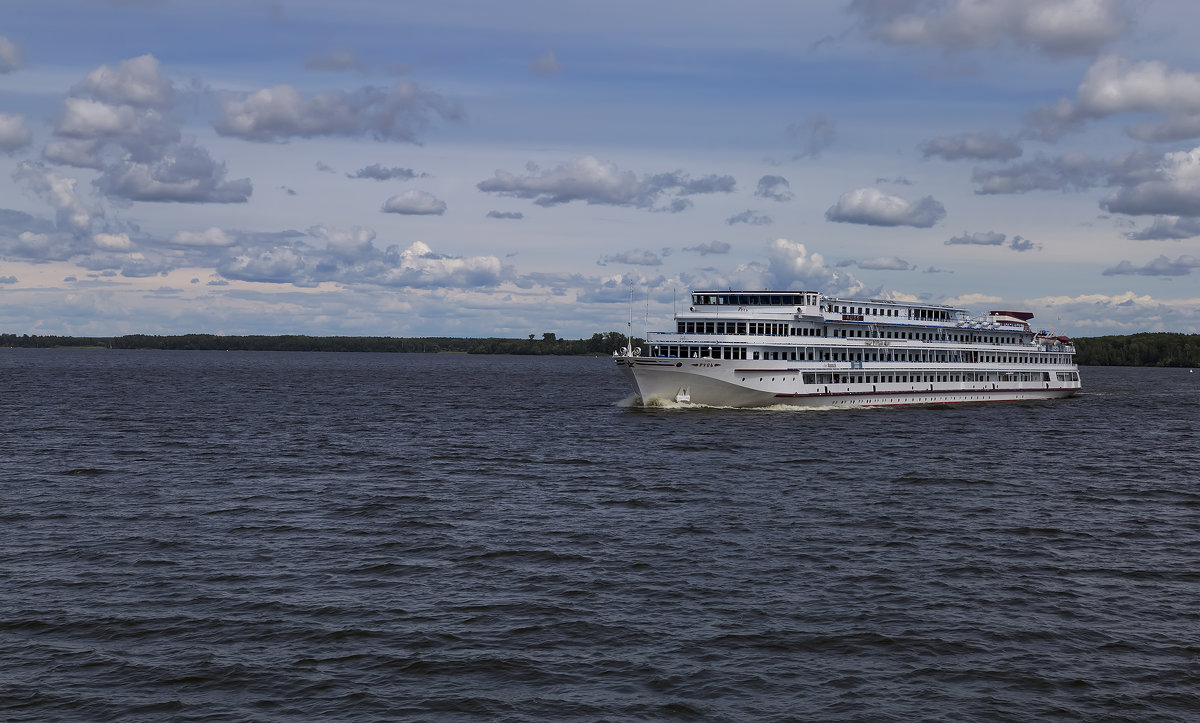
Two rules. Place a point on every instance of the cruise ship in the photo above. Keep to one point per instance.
(802, 348)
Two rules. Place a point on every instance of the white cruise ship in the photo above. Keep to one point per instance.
(762, 348)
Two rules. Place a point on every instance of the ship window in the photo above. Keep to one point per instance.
(755, 355)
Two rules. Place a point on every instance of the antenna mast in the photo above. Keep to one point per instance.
(629, 336)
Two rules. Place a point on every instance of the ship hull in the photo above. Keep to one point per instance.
(717, 383)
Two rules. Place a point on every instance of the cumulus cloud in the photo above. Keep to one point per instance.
(976, 146)
(212, 237)
(885, 263)
(355, 245)
(59, 192)
(1114, 85)
(991, 238)
(1019, 243)
(283, 112)
(790, 265)
(120, 120)
(14, 134)
(185, 174)
(873, 207)
(28, 237)
(10, 55)
(750, 216)
(514, 215)
(1053, 27)
(1172, 189)
(979, 238)
(127, 109)
(278, 265)
(546, 64)
(136, 82)
(816, 134)
(1127, 311)
(415, 203)
(1161, 266)
(419, 267)
(710, 247)
(74, 152)
(377, 172)
(1070, 172)
(775, 188)
(593, 181)
(635, 257)
(1165, 228)
(112, 241)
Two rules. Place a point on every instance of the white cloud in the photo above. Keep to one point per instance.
(594, 181)
(418, 267)
(136, 82)
(74, 152)
(14, 134)
(775, 188)
(976, 146)
(751, 217)
(186, 174)
(59, 192)
(415, 203)
(979, 238)
(1069, 172)
(972, 300)
(885, 263)
(1167, 228)
(377, 172)
(1054, 27)
(873, 207)
(112, 241)
(280, 264)
(282, 112)
(636, 257)
(791, 266)
(212, 237)
(1114, 85)
(357, 244)
(1173, 189)
(710, 247)
(1161, 266)
(87, 118)
(1124, 312)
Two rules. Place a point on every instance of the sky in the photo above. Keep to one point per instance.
(470, 168)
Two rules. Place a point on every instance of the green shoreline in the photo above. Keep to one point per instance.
(1160, 349)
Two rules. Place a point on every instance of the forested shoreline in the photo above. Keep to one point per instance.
(600, 343)
(1154, 349)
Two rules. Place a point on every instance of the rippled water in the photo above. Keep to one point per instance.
(234, 536)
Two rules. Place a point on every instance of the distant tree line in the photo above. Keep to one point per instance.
(1158, 349)
(600, 343)
(1152, 349)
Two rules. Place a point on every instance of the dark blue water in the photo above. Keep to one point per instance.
(283, 537)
